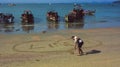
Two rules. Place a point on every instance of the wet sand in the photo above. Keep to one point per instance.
(55, 49)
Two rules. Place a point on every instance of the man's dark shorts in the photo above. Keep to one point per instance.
(80, 44)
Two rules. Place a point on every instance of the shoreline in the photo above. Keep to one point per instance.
(17, 29)
(50, 31)
(56, 48)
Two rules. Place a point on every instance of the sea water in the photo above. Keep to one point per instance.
(107, 15)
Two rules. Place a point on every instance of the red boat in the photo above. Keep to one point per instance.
(6, 18)
(52, 16)
(27, 16)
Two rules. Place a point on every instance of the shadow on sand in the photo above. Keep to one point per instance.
(93, 52)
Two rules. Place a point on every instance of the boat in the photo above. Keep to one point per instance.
(52, 16)
(6, 18)
(89, 12)
(75, 15)
(11, 4)
(27, 16)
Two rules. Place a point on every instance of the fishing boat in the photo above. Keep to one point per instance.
(89, 12)
(6, 18)
(27, 16)
(11, 4)
(78, 14)
(75, 15)
(52, 16)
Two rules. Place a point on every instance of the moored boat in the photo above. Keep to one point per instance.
(52, 16)
(75, 15)
(89, 12)
(6, 18)
(11, 4)
(27, 16)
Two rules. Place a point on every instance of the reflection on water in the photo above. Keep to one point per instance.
(30, 27)
(27, 27)
(53, 25)
(75, 25)
(6, 27)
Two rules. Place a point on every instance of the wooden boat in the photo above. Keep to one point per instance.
(75, 15)
(52, 16)
(89, 12)
(11, 4)
(6, 18)
(27, 16)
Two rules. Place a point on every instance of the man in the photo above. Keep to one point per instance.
(78, 44)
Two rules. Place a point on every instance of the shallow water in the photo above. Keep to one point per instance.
(107, 15)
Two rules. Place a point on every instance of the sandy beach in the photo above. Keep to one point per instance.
(55, 49)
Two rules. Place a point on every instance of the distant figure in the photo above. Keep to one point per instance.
(78, 44)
